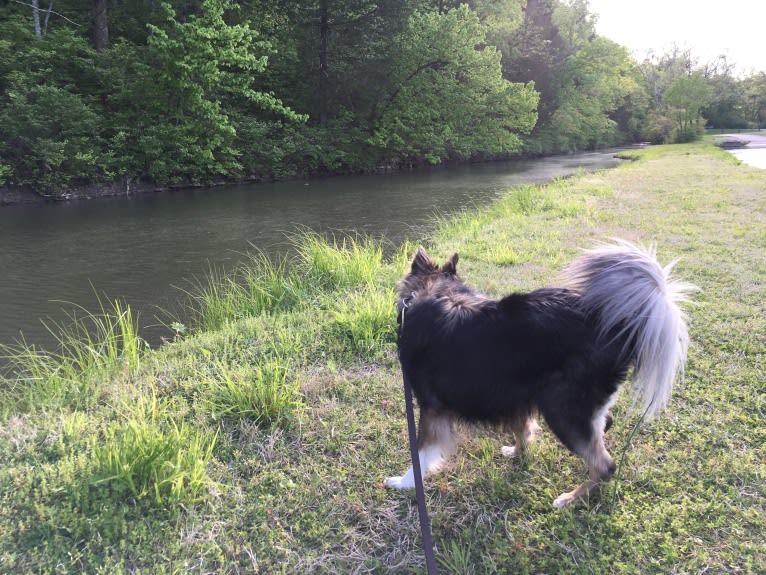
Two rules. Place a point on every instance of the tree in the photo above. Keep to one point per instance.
(596, 82)
(536, 54)
(686, 96)
(49, 132)
(450, 100)
(754, 89)
(575, 24)
(727, 107)
(100, 25)
(174, 118)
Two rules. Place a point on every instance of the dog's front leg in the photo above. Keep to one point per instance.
(524, 431)
(431, 459)
(435, 445)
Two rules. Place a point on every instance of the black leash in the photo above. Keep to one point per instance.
(425, 528)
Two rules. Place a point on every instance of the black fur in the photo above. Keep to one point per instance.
(497, 361)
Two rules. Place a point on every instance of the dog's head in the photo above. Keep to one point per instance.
(426, 277)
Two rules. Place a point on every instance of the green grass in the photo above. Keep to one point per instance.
(91, 348)
(257, 440)
(266, 394)
(150, 455)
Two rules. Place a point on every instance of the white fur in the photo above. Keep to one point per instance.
(532, 429)
(625, 286)
(431, 459)
(599, 418)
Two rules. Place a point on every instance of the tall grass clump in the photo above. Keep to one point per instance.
(265, 393)
(337, 265)
(151, 456)
(257, 286)
(89, 349)
(364, 320)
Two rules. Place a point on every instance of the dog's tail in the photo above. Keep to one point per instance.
(634, 300)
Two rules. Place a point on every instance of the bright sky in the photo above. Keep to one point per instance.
(736, 28)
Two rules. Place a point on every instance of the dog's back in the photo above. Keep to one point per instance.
(486, 360)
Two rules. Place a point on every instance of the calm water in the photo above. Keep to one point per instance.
(140, 249)
(754, 157)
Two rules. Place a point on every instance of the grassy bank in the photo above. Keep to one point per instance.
(257, 441)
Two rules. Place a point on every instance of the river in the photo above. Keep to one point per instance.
(142, 249)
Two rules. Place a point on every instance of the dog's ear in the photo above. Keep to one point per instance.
(422, 264)
(451, 266)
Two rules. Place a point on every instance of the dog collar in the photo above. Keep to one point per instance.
(407, 301)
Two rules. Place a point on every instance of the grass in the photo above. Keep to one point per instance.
(257, 440)
(91, 348)
(152, 456)
(264, 394)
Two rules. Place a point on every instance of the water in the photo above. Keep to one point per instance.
(755, 157)
(142, 249)
(754, 153)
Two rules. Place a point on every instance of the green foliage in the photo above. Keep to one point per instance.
(49, 130)
(177, 97)
(450, 101)
(151, 456)
(193, 91)
(686, 96)
(596, 81)
(267, 394)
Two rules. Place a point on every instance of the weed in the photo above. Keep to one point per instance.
(153, 456)
(338, 264)
(91, 348)
(265, 393)
(365, 320)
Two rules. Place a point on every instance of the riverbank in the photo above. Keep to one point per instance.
(127, 187)
(257, 441)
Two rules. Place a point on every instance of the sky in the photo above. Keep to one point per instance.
(736, 28)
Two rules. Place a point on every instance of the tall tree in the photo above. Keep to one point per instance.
(686, 96)
(100, 25)
(449, 99)
(174, 122)
(537, 52)
(595, 83)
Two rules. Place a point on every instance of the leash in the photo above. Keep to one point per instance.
(425, 528)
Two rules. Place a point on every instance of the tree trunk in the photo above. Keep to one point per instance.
(100, 25)
(36, 18)
(324, 32)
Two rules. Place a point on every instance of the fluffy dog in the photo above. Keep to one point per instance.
(560, 352)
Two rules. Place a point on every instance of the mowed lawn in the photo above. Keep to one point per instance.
(257, 440)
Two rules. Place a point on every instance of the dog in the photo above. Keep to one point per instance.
(559, 352)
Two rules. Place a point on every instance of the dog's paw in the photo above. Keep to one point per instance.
(509, 451)
(399, 483)
(564, 499)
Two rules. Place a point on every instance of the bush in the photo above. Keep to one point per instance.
(658, 129)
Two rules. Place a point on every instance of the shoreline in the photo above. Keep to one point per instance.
(129, 187)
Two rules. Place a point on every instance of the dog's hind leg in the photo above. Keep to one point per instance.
(524, 432)
(601, 466)
(436, 443)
